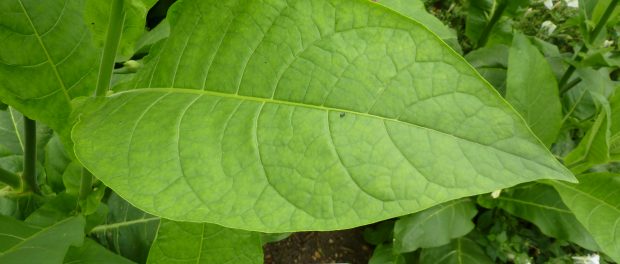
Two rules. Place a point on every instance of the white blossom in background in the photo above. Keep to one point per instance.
(607, 43)
(496, 193)
(548, 4)
(548, 27)
(589, 259)
(572, 3)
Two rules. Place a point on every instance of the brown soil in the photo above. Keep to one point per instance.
(346, 246)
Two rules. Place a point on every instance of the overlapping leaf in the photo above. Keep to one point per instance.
(294, 115)
(596, 204)
(460, 251)
(47, 58)
(20, 242)
(179, 242)
(93, 253)
(532, 89)
(435, 226)
(541, 205)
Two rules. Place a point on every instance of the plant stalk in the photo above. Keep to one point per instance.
(486, 32)
(113, 39)
(593, 34)
(10, 179)
(29, 175)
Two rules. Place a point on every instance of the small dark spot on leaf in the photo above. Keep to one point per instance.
(342, 115)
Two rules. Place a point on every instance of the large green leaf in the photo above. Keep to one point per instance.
(435, 226)
(460, 251)
(304, 115)
(532, 89)
(596, 204)
(179, 242)
(541, 205)
(20, 242)
(92, 253)
(46, 58)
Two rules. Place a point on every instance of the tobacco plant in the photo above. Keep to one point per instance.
(230, 119)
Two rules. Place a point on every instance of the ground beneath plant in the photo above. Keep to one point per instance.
(345, 246)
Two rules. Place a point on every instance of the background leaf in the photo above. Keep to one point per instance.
(127, 231)
(460, 250)
(92, 253)
(435, 226)
(97, 17)
(415, 9)
(333, 135)
(532, 89)
(20, 241)
(595, 203)
(204, 243)
(542, 205)
(47, 58)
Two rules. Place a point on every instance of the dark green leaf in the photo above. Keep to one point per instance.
(533, 90)
(127, 231)
(435, 226)
(460, 251)
(541, 205)
(92, 253)
(491, 62)
(179, 242)
(20, 242)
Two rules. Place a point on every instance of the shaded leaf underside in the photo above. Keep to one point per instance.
(287, 116)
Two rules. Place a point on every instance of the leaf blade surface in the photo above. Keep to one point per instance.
(318, 132)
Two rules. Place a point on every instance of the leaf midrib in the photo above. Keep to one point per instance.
(44, 48)
(319, 107)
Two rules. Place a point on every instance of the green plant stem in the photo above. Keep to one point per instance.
(113, 38)
(29, 175)
(10, 179)
(563, 83)
(497, 14)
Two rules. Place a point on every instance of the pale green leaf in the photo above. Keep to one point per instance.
(20, 241)
(97, 17)
(541, 205)
(435, 226)
(92, 253)
(532, 89)
(56, 162)
(47, 58)
(342, 113)
(596, 204)
(179, 242)
(415, 9)
(460, 251)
